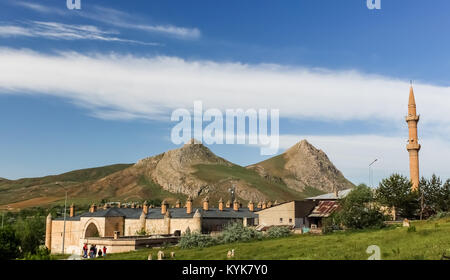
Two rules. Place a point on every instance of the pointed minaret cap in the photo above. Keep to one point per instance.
(411, 102)
(49, 216)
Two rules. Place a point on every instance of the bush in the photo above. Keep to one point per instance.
(235, 232)
(42, 253)
(9, 244)
(331, 223)
(440, 215)
(193, 240)
(277, 232)
(412, 229)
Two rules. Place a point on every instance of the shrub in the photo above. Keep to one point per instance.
(42, 253)
(331, 223)
(440, 215)
(9, 244)
(234, 232)
(141, 232)
(193, 240)
(412, 229)
(277, 232)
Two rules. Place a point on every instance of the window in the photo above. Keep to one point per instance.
(290, 220)
(281, 220)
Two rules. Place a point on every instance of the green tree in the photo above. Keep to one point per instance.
(9, 244)
(431, 192)
(358, 210)
(396, 192)
(444, 201)
(31, 233)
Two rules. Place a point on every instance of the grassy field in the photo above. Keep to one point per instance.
(430, 240)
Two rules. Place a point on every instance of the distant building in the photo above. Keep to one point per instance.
(292, 213)
(326, 205)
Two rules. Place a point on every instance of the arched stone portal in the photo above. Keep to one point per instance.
(91, 231)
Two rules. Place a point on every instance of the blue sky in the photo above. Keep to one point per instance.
(96, 86)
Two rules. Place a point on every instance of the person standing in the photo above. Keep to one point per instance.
(91, 251)
(104, 251)
(85, 251)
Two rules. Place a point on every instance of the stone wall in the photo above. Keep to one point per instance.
(278, 215)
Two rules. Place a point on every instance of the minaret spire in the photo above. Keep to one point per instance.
(413, 145)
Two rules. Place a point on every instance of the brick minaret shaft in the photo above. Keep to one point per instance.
(413, 145)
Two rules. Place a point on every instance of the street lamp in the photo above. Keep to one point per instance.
(65, 206)
(370, 173)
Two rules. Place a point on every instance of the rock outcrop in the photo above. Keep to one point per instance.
(303, 166)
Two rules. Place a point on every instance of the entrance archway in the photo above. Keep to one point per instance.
(91, 231)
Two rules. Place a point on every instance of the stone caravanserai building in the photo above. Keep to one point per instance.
(125, 227)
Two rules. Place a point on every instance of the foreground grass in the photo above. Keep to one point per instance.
(430, 241)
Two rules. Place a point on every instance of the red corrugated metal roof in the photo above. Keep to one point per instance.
(324, 209)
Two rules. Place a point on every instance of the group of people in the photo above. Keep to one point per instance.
(93, 251)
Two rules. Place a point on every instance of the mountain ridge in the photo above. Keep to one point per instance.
(191, 170)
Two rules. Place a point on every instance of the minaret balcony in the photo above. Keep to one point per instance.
(412, 118)
(413, 146)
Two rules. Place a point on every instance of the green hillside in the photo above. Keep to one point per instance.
(430, 240)
(33, 188)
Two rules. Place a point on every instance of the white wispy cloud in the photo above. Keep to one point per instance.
(152, 86)
(61, 31)
(124, 20)
(115, 86)
(118, 19)
(38, 7)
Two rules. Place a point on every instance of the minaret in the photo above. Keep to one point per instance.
(413, 145)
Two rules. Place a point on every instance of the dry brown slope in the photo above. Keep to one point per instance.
(303, 166)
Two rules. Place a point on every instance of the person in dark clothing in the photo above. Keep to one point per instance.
(91, 251)
(100, 253)
(95, 250)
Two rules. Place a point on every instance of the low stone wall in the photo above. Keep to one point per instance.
(126, 244)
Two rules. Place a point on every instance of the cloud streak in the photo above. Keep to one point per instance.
(61, 31)
(119, 19)
(114, 86)
(152, 86)
(125, 20)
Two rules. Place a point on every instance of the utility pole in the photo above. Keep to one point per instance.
(370, 173)
(65, 207)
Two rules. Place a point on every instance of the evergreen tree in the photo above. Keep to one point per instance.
(396, 192)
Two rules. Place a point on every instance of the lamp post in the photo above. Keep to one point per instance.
(370, 172)
(64, 228)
